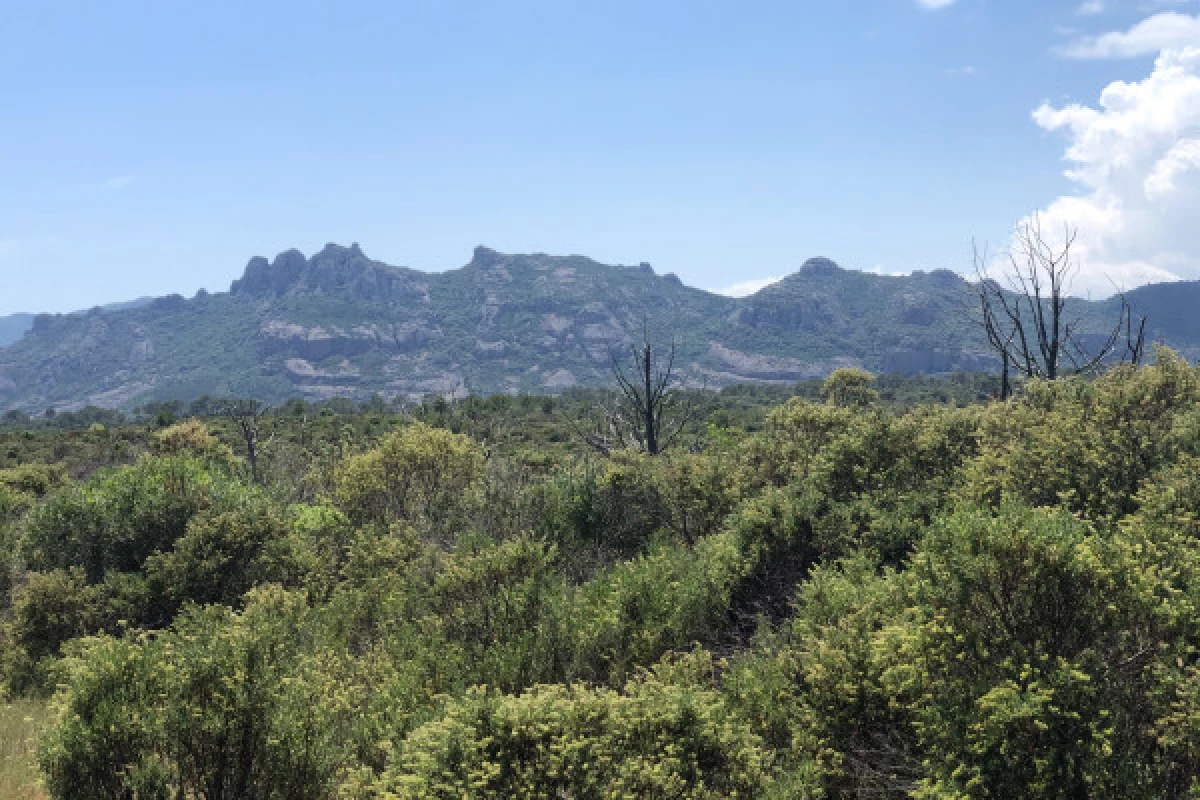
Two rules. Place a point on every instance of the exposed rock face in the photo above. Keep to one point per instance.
(315, 344)
(334, 269)
(560, 379)
(820, 266)
(743, 367)
(554, 324)
(303, 372)
(339, 323)
(491, 349)
(142, 351)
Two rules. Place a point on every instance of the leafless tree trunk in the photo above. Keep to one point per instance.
(1025, 315)
(247, 416)
(650, 409)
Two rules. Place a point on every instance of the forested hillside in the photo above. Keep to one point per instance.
(839, 597)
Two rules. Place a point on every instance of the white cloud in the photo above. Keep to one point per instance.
(1167, 30)
(1135, 161)
(934, 5)
(1091, 7)
(746, 288)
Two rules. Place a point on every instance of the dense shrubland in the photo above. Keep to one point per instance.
(844, 596)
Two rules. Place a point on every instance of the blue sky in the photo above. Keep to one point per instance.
(148, 148)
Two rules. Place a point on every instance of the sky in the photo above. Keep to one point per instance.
(150, 148)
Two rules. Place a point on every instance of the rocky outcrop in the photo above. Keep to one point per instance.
(303, 372)
(491, 349)
(560, 379)
(314, 344)
(334, 270)
(756, 367)
(339, 323)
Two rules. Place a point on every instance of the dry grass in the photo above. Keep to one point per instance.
(20, 724)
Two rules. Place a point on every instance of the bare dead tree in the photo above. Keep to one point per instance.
(1024, 315)
(247, 416)
(649, 408)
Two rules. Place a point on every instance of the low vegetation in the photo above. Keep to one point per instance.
(840, 591)
(20, 723)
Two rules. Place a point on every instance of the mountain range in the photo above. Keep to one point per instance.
(341, 324)
(14, 326)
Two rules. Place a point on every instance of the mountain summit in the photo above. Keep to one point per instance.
(338, 323)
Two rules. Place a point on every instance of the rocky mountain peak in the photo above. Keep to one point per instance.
(266, 278)
(486, 257)
(333, 268)
(820, 266)
(339, 323)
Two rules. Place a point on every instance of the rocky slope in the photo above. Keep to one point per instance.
(339, 323)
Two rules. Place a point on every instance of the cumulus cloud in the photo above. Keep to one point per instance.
(1167, 30)
(747, 288)
(1135, 160)
(934, 5)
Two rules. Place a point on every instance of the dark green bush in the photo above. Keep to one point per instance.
(120, 517)
(224, 705)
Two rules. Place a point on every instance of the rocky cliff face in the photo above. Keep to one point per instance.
(339, 323)
(333, 270)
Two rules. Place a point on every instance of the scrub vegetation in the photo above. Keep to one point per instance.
(863, 588)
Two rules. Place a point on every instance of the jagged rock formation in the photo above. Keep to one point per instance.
(339, 323)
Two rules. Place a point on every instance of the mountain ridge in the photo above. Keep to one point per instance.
(339, 323)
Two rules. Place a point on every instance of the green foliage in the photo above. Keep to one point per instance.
(103, 742)
(1085, 445)
(604, 511)
(35, 480)
(654, 739)
(221, 556)
(1045, 684)
(225, 705)
(120, 517)
(990, 601)
(416, 472)
(48, 610)
(191, 437)
(498, 608)
(849, 386)
(820, 692)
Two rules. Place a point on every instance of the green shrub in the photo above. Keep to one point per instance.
(121, 516)
(221, 556)
(49, 609)
(667, 599)
(1044, 656)
(654, 739)
(1086, 445)
(224, 705)
(417, 474)
(36, 480)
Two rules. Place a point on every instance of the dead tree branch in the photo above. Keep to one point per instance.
(1024, 315)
